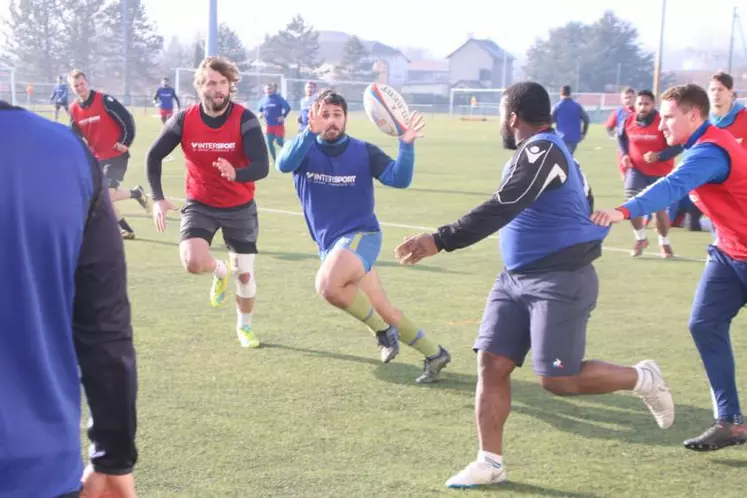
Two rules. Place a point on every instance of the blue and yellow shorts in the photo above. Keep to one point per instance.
(365, 245)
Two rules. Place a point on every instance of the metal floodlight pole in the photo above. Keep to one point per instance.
(211, 47)
(657, 64)
(125, 61)
(731, 39)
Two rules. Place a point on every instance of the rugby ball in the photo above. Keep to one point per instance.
(386, 108)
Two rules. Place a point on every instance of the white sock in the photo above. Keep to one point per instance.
(490, 458)
(663, 240)
(640, 234)
(645, 380)
(220, 269)
(243, 319)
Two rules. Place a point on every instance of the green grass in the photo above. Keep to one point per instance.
(313, 413)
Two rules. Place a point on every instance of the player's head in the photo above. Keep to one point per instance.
(165, 82)
(627, 97)
(334, 109)
(79, 82)
(309, 88)
(565, 91)
(61, 80)
(215, 82)
(269, 89)
(720, 91)
(525, 108)
(644, 103)
(683, 109)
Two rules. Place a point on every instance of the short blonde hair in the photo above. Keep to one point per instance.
(220, 64)
(75, 74)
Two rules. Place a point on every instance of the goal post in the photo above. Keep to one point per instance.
(8, 84)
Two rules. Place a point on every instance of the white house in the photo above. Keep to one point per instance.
(480, 63)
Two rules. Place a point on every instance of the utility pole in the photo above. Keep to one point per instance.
(731, 39)
(657, 64)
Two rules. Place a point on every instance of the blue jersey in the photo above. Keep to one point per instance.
(165, 97)
(334, 182)
(568, 116)
(273, 107)
(59, 95)
(64, 317)
(306, 103)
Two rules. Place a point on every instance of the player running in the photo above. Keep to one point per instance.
(225, 154)
(333, 174)
(646, 158)
(617, 118)
(544, 297)
(164, 99)
(59, 97)
(274, 109)
(713, 171)
(108, 129)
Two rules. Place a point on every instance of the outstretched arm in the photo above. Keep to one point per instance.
(709, 164)
(293, 154)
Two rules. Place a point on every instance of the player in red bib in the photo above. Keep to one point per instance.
(108, 129)
(617, 118)
(225, 153)
(714, 171)
(726, 112)
(646, 157)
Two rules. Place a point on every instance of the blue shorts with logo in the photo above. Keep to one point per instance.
(365, 245)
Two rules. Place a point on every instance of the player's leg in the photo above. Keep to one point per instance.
(633, 184)
(197, 229)
(561, 303)
(337, 281)
(270, 139)
(114, 170)
(240, 228)
(56, 111)
(663, 224)
(721, 293)
(436, 356)
(502, 344)
(280, 135)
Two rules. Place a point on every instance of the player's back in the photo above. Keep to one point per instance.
(567, 115)
(45, 195)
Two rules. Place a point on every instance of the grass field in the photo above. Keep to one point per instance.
(313, 413)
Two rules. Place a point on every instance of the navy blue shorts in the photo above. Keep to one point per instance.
(636, 182)
(545, 312)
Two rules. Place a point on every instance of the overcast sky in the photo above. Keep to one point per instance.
(511, 24)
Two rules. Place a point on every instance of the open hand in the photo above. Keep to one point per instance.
(606, 217)
(415, 126)
(415, 248)
(226, 170)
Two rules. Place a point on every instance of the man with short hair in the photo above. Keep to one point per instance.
(109, 130)
(646, 158)
(273, 108)
(726, 112)
(568, 116)
(544, 297)
(225, 155)
(713, 171)
(333, 174)
(164, 99)
(59, 97)
(64, 320)
(305, 105)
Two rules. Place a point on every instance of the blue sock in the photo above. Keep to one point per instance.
(271, 145)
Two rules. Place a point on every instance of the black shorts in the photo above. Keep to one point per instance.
(240, 225)
(60, 105)
(115, 169)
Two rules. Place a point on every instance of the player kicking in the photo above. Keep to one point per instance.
(59, 97)
(544, 297)
(108, 129)
(646, 158)
(274, 109)
(225, 154)
(333, 174)
(713, 171)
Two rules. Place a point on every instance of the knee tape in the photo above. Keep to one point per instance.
(245, 264)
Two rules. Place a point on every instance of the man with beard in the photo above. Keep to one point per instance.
(225, 154)
(544, 297)
(333, 174)
(646, 158)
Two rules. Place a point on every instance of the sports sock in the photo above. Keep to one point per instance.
(490, 458)
(243, 319)
(362, 310)
(640, 234)
(271, 146)
(645, 380)
(125, 226)
(220, 269)
(663, 241)
(415, 337)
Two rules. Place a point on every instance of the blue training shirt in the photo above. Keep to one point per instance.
(274, 106)
(165, 97)
(59, 95)
(568, 116)
(334, 182)
(64, 308)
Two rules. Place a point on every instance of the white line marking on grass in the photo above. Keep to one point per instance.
(432, 229)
